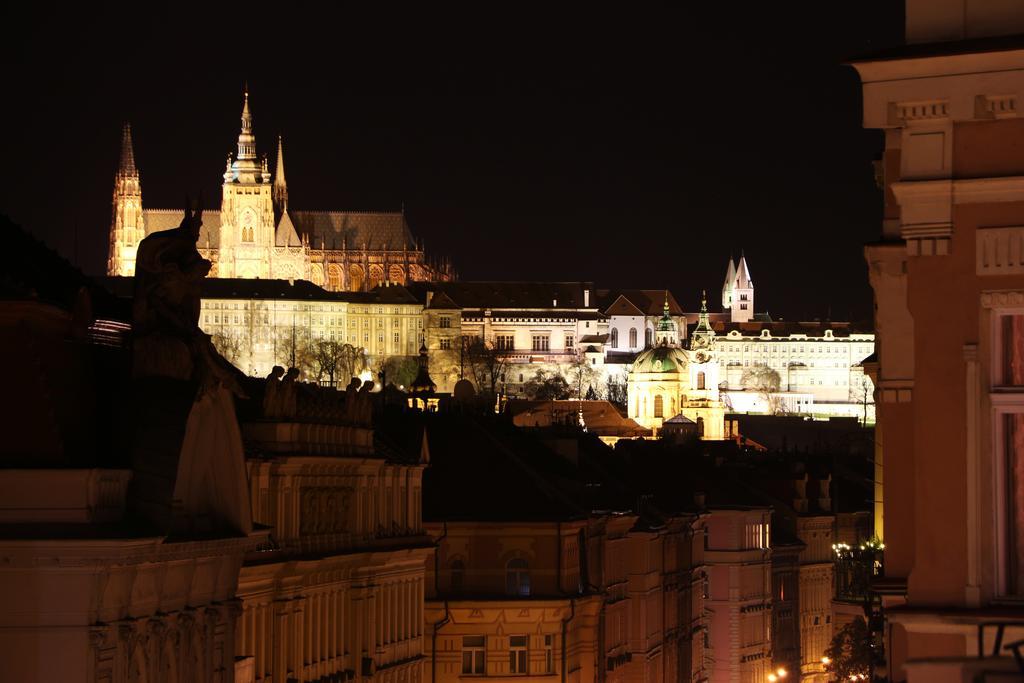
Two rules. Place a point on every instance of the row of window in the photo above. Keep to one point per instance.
(474, 655)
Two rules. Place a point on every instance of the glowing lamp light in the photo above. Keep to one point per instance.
(781, 672)
(772, 678)
(826, 661)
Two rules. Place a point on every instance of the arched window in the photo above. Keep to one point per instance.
(700, 380)
(614, 339)
(517, 577)
(458, 575)
(632, 337)
(659, 406)
(648, 337)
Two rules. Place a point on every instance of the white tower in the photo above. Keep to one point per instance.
(247, 210)
(730, 279)
(742, 293)
(126, 227)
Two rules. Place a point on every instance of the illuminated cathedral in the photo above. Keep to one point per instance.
(256, 234)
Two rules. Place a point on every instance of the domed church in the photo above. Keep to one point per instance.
(668, 380)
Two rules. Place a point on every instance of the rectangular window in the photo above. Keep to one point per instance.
(505, 342)
(541, 342)
(446, 344)
(570, 342)
(549, 654)
(445, 321)
(518, 654)
(396, 339)
(474, 651)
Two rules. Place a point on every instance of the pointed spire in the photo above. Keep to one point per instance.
(279, 171)
(743, 280)
(127, 166)
(727, 287)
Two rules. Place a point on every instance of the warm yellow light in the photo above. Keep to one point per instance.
(781, 672)
(826, 661)
(772, 678)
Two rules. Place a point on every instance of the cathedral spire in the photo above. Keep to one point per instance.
(280, 190)
(246, 140)
(127, 166)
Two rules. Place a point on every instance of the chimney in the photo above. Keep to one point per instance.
(586, 298)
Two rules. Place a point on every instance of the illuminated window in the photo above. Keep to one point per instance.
(659, 406)
(700, 380)
(517, 577)
(474, 653)
(518, 654)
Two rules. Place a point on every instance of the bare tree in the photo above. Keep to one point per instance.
(228, 345)
(766, 382)
(484, 362)
(617, 392)
(351, 361)
(581, 375)
(293, 348)
(326, 359)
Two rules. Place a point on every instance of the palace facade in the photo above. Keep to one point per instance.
(257, 234)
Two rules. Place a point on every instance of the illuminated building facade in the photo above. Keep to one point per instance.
(257, 234)
(668, 380)
(949, 290)
(341, 592)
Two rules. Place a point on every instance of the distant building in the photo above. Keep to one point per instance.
(258, 234)
(669, 380)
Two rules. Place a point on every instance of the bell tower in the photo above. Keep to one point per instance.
(247, 209)
(126, 226)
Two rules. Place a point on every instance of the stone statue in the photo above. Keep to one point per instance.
(365, 404)
(205, 487)
(169, 272)
(288, 395)
(272, 392)
(352, 401)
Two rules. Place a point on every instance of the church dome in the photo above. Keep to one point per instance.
(661, 359)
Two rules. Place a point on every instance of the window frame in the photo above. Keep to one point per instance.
(1004, 400)
(478, 667)
(519, 656)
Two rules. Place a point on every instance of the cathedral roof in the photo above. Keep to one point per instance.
(331, 228)
(661, 359)
(374, 230)
(286, 235)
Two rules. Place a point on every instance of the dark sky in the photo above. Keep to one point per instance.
(635, 151)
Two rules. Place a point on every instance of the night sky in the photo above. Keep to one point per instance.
(634, 151)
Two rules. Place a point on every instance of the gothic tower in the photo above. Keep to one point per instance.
(126, 227)
(247, 210)
(280, 191)
(742, 293)
(730, 280)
